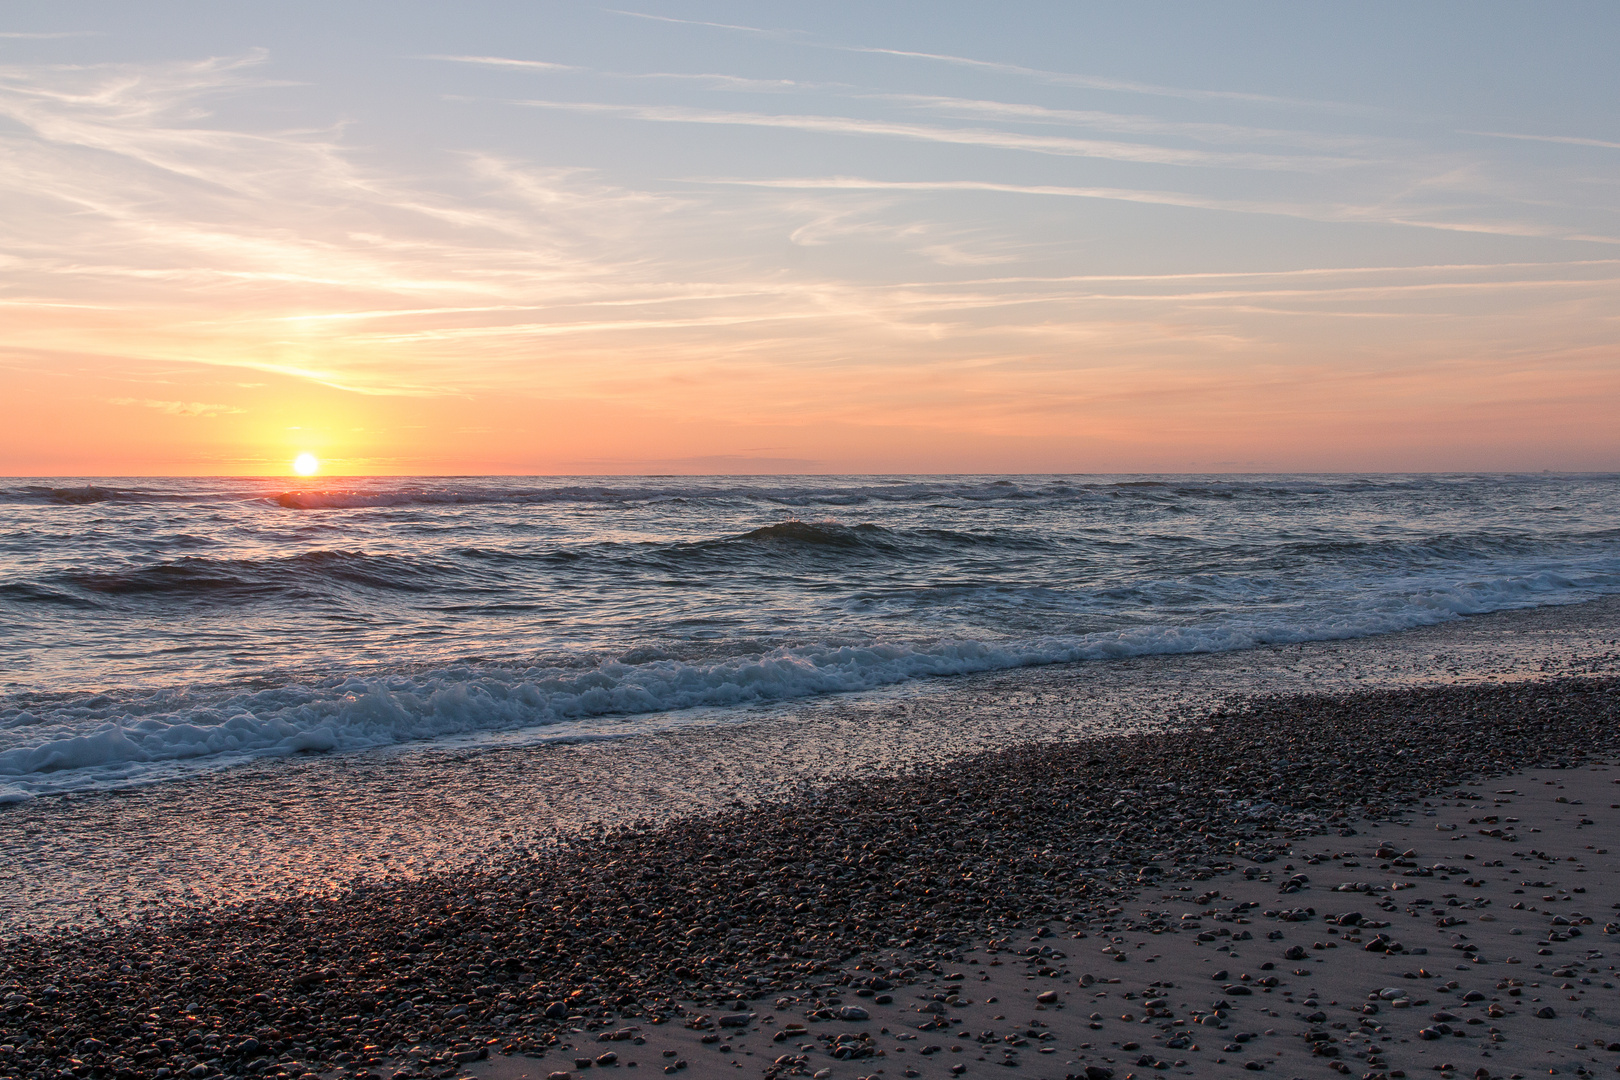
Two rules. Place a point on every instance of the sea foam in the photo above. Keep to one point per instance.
(80, 745)
(155, 627)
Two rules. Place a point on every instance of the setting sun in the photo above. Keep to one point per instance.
(305, 464)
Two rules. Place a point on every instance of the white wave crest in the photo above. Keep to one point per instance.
(79, 746)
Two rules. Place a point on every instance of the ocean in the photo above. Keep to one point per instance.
(156, 629)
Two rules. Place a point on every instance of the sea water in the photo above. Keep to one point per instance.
(150, 629)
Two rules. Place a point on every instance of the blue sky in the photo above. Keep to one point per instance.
(764, 237)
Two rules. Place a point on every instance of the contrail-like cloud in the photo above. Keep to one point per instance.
(1094, 82)
(1058, 145)
(699, 22)
(1055, 78)
(1568, 140)
(179, 408)
(502, 61)
(1341, 213)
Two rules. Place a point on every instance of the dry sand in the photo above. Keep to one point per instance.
(1502, 896)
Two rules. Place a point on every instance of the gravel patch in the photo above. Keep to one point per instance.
(884, 879)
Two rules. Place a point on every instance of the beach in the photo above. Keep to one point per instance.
(787, 907)
(313, 823)
(839, 541)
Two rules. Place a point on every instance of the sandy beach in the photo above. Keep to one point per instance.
(943, 903)
(1493, 952)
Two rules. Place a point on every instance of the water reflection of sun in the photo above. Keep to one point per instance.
(305, 464)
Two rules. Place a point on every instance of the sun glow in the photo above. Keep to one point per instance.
(305, 464)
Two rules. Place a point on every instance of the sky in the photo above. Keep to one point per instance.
(541, 237)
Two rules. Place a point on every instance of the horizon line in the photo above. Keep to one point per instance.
(759, 475)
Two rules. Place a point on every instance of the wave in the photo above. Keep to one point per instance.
(31, 593)
(93, 494)
(485, 495)
(790, 492)
(640, 597)
(787, 492)
(1243, 570)
(822, 534)
(237, 580)
(81, 496)
(835, 534)
(319, 573)
(97, 741)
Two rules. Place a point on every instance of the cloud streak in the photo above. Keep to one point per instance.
(1327, 213)
(503, 61)
(1093, 82)
(1057, 145)
(1124, 123)
(1054, 78)
(1567, 140)
(698, 22)
(178, 408)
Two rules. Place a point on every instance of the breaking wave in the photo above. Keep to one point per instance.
(158, 626)
(97, 742)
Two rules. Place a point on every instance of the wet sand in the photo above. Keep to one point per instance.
(775, 909)
(321, 822)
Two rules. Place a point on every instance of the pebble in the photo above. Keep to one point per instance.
(650, 925)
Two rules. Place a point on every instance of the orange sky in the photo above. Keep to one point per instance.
(619, 244)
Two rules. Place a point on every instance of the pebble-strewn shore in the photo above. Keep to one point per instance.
(753, 902)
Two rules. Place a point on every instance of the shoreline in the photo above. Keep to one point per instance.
(764, 901)
(325, 821)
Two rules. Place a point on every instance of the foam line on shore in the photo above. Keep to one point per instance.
(111, 741)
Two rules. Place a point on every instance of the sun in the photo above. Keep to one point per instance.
(306, 464)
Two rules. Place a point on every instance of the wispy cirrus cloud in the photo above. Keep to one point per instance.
(1567, 140)
(1095, 82)
(1400, 177)
(1123, 123)
(1326, 212)
(178, 408)
(699, 22)
(1057, 145)
(125, 186)
(502, 61)
(713, 80)
(1552, 268)
(1055, 78)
